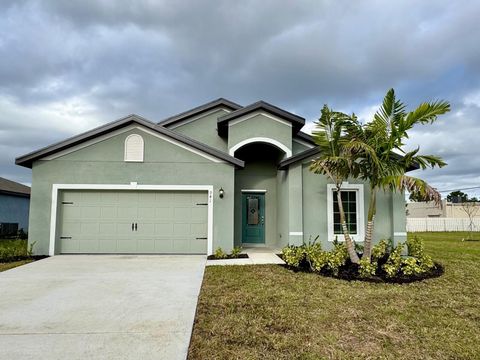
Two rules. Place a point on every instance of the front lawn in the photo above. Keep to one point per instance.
(17, 246)
(270, 312)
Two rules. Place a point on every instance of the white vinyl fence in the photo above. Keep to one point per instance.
(441, 224)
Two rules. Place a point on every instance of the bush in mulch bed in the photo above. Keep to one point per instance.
(219, 254)
(388, 265)
(22, 257)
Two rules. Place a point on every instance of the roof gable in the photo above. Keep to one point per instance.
(296, 121)
(218, 103)
(28, 159)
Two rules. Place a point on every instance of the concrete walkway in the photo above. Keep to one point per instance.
(100, 307)
(256, 256)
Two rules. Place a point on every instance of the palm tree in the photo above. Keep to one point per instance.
(336, 160)
(384, 137)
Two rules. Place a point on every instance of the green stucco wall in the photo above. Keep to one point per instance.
(204, 129)
(298, 148)
(259, 126)
(389, 218)
(102, 163)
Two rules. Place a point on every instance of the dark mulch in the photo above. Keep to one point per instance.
(22, 258)
(349, 272)
(240, 256)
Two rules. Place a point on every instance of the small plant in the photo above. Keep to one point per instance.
(30, 248)
(293, 255)
(220, 254)
(380, 250)
(394, 262)
(236, 251)
(367, 269)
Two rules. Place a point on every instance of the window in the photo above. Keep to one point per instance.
(353, 206)
(349, 201)
(134, 148)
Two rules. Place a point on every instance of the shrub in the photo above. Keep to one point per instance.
(236, 251)
(380, 249)
(367, 269)
(394, 262)
(293, 255)
(220, 254)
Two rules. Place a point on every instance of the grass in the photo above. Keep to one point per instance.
(269, 312)
(20, 246)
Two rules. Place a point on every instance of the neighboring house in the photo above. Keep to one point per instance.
(219, 175)
(14, 206)
(444, 210)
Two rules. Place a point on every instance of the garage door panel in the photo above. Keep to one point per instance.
(108, 212)
(182, 214)
(164, 229)
(181, 229)
(86, 245)
(164, 214)
(101, 222)
(164, 245)
(146, 245)
(71, 212)
(90, 212)
(107, 245)
(147, 213)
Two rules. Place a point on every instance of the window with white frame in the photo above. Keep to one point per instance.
(134, 148)
(353, 206)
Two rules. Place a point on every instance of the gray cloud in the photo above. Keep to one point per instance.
(66, 66)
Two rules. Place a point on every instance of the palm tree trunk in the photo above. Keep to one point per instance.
(372, 208)
(348, 240)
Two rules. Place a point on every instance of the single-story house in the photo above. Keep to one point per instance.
(447, 209)
(14, 206)
(218, 175)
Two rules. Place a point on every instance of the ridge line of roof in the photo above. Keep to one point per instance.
(199, 109)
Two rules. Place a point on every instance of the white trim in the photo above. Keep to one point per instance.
(263, 113)
(360, 236)
(400, 233)
(132, 186)
(295, 233)
(254, 190)
(126, 152)
(124, 130)
(187, 121)
(304, 143)
(273, 142)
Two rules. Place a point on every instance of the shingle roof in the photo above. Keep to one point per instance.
(14, 188)
(28, 159)
(221, 102)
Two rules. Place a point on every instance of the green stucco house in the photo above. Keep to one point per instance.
(218, 175)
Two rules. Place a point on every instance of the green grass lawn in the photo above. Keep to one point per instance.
(270, 312)
(20, 245)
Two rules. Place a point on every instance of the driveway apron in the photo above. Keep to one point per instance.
(100, 307)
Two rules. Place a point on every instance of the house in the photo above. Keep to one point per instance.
(446, 209)
(218, 175)
(14, 205)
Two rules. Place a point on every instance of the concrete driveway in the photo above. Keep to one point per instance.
(100, 307)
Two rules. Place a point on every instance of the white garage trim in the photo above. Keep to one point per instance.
(132, 186)
(276, 143)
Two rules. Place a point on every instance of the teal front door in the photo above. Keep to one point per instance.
(253, 218)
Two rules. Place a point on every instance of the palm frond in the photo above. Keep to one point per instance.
(412, 185)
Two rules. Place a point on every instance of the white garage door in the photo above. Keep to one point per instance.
(166, 222)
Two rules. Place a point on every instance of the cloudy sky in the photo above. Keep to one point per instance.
(68, 66)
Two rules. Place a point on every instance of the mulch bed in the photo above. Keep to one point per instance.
(240, 256)
(349, 272)
(21, 258)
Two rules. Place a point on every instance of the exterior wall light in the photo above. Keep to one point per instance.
(221, 192)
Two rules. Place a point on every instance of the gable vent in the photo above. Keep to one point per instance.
(134, 148)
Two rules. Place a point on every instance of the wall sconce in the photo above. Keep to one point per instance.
(221, 192)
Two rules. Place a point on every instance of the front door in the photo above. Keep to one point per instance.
(253, 218)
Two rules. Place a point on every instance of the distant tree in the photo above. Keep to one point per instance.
(457, 197)
(471, 207)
